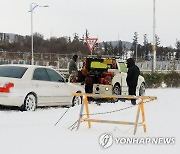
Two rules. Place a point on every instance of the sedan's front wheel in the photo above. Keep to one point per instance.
(116, 91)
(142, 89)
(77, 100)
(30, 103)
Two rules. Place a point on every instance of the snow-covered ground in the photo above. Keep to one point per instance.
(35, 133)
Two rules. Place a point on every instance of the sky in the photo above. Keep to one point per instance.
(109, 20)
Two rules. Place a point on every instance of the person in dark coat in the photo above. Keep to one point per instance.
(132, 78)
(73, 66)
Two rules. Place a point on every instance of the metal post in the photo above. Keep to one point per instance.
(80, 115)
(32, 52)
(87, 109)
(137, 118)
(142, 114)
(136, 52)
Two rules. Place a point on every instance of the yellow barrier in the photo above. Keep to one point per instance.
(129, 97)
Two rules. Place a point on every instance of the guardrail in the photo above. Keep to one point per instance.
(65, 72)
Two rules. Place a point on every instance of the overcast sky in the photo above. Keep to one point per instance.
(105, 19)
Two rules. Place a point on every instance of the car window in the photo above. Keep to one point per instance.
(12, 71)
(54, 76)
(123, 67)
(40, 74)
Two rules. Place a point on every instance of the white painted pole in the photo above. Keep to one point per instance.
(154, 39)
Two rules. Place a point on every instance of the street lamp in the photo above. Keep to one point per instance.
(32, 7)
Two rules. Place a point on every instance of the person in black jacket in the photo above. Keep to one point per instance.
(132, 78)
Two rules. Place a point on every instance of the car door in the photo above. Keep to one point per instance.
(42, 86)
(61, 91)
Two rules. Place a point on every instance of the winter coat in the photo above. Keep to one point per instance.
(72, 67)
(133, 73)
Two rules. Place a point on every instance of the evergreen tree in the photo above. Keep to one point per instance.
(110, 49)
(105, 47)
(158, 50)
(135, 44)
(87, 34)
(146, 46)
(76, 37)
(157, 40)
(177, 49)
(120, 48)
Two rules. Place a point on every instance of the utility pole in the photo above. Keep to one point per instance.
(154, 39)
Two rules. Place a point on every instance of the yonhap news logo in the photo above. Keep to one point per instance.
(145, 140)
(106, 140)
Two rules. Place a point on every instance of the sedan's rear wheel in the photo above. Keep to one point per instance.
(30, 103)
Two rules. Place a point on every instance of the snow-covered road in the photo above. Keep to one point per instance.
(35, 133)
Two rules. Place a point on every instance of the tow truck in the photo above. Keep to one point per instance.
(106, 75)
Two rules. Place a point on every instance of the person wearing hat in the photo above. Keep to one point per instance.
(132, 78)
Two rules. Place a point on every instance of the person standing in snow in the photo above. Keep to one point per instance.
(73, 69)
(132, 78)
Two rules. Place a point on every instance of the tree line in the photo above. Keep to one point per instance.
(162, 52)
(61, 45)
(76, 44)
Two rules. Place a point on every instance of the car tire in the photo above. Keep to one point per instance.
(116, 91)
(30, 103)
(77, 100)
(142, 89)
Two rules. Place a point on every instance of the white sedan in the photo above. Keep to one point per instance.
(29, 86)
